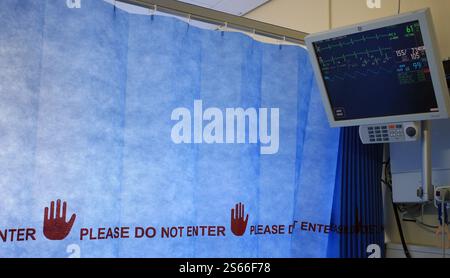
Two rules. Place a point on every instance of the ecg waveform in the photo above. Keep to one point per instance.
(352, 41)
(374, 53)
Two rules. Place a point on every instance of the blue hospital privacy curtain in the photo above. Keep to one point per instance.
(127, 135)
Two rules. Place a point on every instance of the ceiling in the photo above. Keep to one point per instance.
(236, 7)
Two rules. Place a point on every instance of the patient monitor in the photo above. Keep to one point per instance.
(385, 76)
(380, 72)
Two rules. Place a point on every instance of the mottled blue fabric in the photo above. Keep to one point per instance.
(86, 96)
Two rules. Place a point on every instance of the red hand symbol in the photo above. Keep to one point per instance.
(55, 225)
(238, 224)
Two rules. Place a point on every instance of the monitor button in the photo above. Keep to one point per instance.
(411, 131)
(339, 112)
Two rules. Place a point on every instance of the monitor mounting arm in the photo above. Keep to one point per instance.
(425, 191)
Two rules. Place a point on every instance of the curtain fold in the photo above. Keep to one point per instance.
(89, 100)
(357, 213)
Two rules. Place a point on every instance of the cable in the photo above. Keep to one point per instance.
(399, 6)
(406, 209)
(397, 218)
(420, 223)
(400, 230)
(387, 184)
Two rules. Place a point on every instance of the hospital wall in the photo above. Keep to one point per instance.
(314, 16)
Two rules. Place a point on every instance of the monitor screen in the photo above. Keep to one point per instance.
(377, 73)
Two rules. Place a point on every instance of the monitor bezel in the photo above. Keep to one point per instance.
(433, 55)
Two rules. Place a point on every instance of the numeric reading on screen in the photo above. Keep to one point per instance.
(377, 73)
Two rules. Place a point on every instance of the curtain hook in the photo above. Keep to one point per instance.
(224, 28)
(188, 22)
(280, 44)
(284, 42)
(152, 12)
